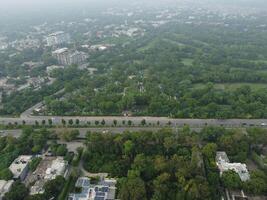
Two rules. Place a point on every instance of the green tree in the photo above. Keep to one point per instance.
(132, 189)
(6, 174)
(54, 187)
(143, 122)
(130, 123)
(231, 180)
(61, 150)
(63, 122)
(50, 122)
(17, 192)
(128, 147)
(71, 122)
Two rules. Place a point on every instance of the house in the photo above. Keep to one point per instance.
(224, 164)
(48, 169)
(104, 190)
(5, 187)
(20, 167)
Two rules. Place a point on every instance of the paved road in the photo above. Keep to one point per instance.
(26, 117)
(121, 121)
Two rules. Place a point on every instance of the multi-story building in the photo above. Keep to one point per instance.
(20, 167)
(77, 57)
(66, 57)
(62, 56)
(57, 38)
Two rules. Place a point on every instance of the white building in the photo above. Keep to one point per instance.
(104, 190)
(62, 56)
(20, 167)
(57, 38)
(58, 167)
(5, 187)
(224, 164)
(77, 57)
(65, 57)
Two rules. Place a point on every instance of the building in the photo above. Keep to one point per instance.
(104, 190)
(65, 57)
(62, 56)
(20, 167)
(48, 169)
(77, 57)
(57, 168)
(224, 164)
(57, 38)
(5, 187)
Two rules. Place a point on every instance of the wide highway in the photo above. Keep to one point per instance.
(135, 121)
(27, 118)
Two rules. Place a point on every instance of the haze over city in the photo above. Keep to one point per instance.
(133, 100)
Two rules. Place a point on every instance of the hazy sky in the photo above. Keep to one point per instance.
(15, 8)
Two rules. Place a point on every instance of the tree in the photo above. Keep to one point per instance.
(163, 187)
(61, 150)
(70, 135)
(209, 150)
(115, 122)
(43, 122)
(129, 122)
(50, 122)
(34, 163)
(63, 122)
(71, 122)
(96, 123)
(170, 144)
(132, 189)
(231, 180)
(17, 192)
(257, 185)
(143, 122)
(54, 187)
(128, 147)
(6, 174)
(103, 122)
(197, 189)
(36, 197)
(77, 122)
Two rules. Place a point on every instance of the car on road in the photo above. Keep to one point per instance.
(263, 124)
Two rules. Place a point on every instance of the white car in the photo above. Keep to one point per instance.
(263, 124)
